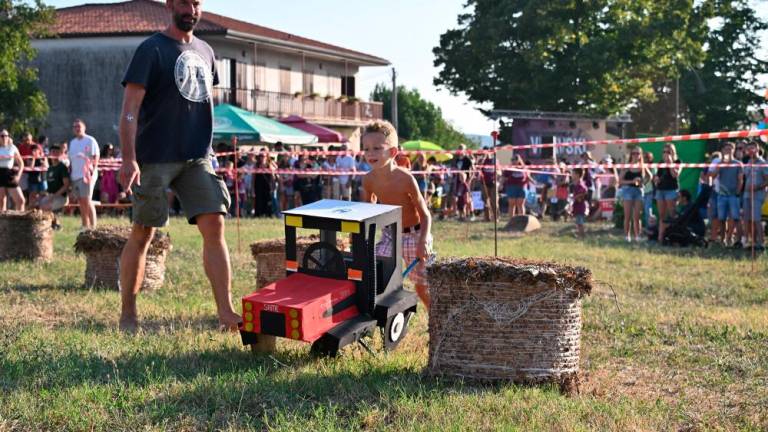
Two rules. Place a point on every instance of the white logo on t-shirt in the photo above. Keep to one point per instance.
(193, 77)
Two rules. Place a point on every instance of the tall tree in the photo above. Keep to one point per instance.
(720, 92)
(599, 56)
(23, 106)
(417, 118)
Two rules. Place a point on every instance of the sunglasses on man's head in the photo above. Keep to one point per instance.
(4, 135)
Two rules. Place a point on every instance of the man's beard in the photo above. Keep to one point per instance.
(183, 25)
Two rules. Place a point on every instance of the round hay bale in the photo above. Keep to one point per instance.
(26, 235)
(102, 247)
(270, 257)
(497, 319)
(523, 223)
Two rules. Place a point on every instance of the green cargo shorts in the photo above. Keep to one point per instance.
(199, 189)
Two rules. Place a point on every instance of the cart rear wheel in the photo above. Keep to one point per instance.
(395, 329)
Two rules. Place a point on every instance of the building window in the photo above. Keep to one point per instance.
(222, 68)
(285, 79)
(261, 76)
(348, 86)
(308, 82)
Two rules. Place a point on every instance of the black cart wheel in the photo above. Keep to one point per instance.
(325, 347)
(395, 329)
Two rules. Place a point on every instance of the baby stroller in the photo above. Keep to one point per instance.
(688, 229)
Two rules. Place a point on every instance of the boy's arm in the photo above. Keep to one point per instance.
(424, 216)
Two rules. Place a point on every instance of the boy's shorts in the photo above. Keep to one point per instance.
(199, 189)
(728, 207)
(37, 187)
(753, 212)
(579, 219)
(410, 242)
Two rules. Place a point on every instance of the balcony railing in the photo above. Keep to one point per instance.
(275, 104)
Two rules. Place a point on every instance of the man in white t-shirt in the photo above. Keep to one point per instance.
(345, 162)
(84, 158)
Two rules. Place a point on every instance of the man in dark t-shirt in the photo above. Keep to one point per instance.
(166, 126)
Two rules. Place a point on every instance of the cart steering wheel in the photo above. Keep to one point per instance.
(324, 257)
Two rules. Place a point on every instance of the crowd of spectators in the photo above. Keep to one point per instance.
(263, 182)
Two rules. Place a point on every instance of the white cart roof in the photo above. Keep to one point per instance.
(342, 210)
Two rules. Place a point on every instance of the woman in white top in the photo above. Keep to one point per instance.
(9, 177)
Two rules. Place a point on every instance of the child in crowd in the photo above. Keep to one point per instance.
(462, 194)
(561, 195)
(387, 183)
(579, 192)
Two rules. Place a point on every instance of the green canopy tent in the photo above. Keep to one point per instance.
(427, 146)
(230, 121)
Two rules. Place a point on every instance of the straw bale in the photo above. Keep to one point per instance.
(270, 256)
(501, 319)
(109, 237)
(102, 247)
(26, 235)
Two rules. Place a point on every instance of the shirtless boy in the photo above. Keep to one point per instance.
(387, 183)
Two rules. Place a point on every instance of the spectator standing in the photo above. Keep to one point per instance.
(37, 167)
(462, 195)
(515, 182)
(632, 181)
(25, 149)
(57, 178)
(262, 186)
(330, 181)
(345, 162)
(84, 159)
(715, 232)
(490, 188)
(109, 190)
(649, 189)
(730, 176)
(755, 185)
(11, 169)
(579, 193)
(667, 186)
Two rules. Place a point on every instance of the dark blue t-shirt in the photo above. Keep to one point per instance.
(176, 118)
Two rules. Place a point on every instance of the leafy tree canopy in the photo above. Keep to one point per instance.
(720, 91)
(23, 106)
(418, 119)
(599, 57)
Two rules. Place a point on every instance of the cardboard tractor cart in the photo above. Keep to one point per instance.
(332, 298)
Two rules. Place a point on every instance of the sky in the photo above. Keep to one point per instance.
(401, 31)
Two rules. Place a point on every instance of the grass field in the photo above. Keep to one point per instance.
(682, 346)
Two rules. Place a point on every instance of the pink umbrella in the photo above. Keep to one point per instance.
(323, 134)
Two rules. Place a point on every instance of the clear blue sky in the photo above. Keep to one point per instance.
(402, 31)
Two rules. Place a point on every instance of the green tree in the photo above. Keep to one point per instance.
(598, 57)
(720, 92)
(417, 118)
(23, 106)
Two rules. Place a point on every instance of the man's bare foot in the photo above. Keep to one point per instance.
(229, 321)
(129, 325)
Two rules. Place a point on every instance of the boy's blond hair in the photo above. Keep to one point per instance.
(385, 128)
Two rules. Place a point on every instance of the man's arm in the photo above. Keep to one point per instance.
(129, 117)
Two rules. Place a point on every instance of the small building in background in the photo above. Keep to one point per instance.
(537, 127)
(262, 70)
